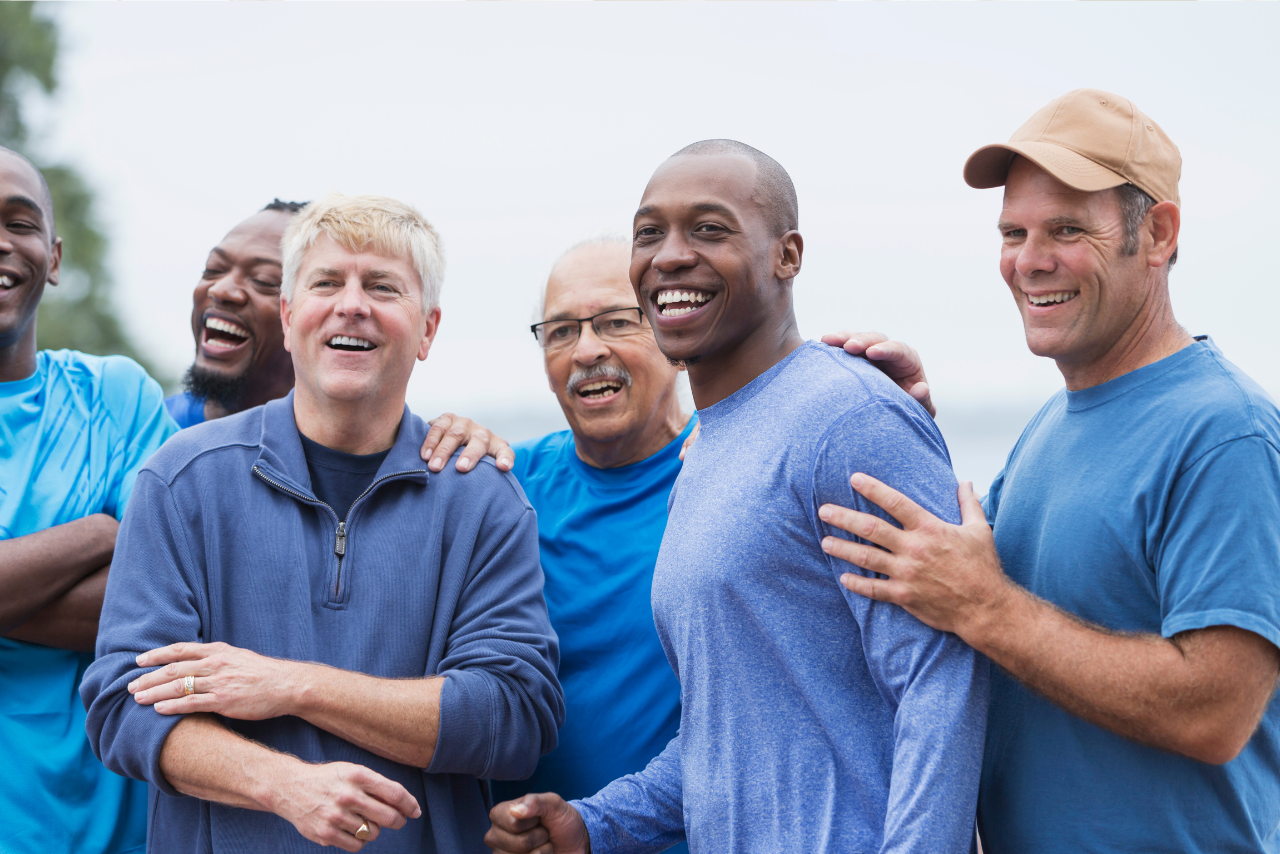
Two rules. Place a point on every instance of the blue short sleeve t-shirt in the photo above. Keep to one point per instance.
(75, 433)
(1150, 503)
(599, 532)
(186, 410)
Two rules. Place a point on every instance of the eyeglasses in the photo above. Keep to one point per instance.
(613, 325)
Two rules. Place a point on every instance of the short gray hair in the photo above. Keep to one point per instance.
(1134, 207)
(604, 238)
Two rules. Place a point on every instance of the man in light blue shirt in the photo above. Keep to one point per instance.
(1123, 572)
(76, 429)
(773, 753)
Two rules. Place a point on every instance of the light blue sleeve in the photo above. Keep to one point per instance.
(638, 813)
(1217, 555)
(938, 684)
(136, 406)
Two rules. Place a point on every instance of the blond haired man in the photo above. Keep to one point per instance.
(305, 624)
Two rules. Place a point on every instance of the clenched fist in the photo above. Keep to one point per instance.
(537, 824)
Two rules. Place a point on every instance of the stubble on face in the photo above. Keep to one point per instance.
(32, 254)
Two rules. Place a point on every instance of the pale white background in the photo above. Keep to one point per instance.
(520, 129)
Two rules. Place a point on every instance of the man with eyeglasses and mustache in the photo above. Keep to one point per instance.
(600, 490)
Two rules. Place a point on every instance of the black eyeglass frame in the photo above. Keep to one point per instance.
(581, 320)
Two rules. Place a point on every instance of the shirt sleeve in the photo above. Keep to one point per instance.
(1218, 555)
(937, 685)
(137, 405)
(149, 603)
(501, 706)
(638, 813)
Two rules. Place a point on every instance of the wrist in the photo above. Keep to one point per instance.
(992, 617)
(302, 693)
(278, 773)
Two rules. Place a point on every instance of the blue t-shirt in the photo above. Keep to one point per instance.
(813, 719)
(599, 531)
(338, 478)
(186, 410)
(1150, 503)
(75, 433)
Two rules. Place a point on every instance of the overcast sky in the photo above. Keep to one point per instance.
(519, 129)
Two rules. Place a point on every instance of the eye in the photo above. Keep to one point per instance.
(1072, 230)
(709, 228)
(1015, 233)
(647, 231)
(213, 274)
(266, 285)
(22, 226)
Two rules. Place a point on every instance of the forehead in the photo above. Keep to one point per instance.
(1029, 190)
(258, 236)
(19, 178)
(686, 182)
(329, 254)
(590, 277)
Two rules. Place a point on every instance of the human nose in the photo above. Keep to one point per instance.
(228, 289)
(352, 301)
(589, 349)
(674, 254)
(1034, 255)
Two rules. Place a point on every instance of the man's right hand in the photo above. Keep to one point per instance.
(900, 362)
(327, 803)
(537, 824)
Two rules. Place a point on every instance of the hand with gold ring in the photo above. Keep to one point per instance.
(218, 678)
(366, 828)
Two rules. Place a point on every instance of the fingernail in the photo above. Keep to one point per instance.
(519, 809)
(826, 544)
(133, 686)
(824, 513)
(142, 660)
(464, 464)
(417, 813)
(856, 480)
(436, 463)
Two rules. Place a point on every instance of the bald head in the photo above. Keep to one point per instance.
(774, 193)
(46, 198)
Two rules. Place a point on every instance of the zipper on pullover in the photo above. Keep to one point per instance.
(340, 533)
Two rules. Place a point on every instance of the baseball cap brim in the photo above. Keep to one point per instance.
(989, 166)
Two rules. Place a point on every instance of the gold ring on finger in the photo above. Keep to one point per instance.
(363, 833)
(188, 685)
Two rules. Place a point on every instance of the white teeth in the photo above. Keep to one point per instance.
(676, 312)
(223, 326)
(348, 341)
(606, 384)
(6, 282)
(665, 297)
(1052, 299)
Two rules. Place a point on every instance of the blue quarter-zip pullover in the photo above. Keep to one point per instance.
(430, 574)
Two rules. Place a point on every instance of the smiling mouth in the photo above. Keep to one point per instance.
(599, 389)
(674, 303)
(7, 282)
(1052, 299)
(350, 344)
(221, 334)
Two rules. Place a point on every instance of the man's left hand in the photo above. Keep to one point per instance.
(947, 576)
(229, 681)
(450, 432)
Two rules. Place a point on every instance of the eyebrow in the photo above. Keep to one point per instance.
(26, 202)
(564, 315)
(272, 261)
(703, 207)
(1063, 219)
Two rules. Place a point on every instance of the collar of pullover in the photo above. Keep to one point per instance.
(281, 456)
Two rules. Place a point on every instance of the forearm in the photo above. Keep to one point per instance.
(71, 620)
(39, 568)
(398, 719)
(1141, 686)
(205, 760)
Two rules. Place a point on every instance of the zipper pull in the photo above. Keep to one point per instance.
(340, 541)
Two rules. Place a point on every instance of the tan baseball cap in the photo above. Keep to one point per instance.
(1089, 140)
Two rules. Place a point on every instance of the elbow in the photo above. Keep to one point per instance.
(1215, 742)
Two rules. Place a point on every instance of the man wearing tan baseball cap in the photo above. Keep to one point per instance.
(1123, 569)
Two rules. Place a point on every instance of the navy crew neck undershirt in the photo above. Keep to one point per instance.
(338, 478)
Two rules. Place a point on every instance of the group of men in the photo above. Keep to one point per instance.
(764, 626)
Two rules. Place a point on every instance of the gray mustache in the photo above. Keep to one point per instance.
(597, 372)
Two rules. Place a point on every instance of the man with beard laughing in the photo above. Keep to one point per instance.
(812, 719)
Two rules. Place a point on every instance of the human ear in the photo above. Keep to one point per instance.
(1163, 222)
(286, 316)
(791, 246)
(55, 262)
(429, 333)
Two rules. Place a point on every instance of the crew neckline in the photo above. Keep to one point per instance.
(1088, 398)
(27, 383)
(723, 408)
(622, 476)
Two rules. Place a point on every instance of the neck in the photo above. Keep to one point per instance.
(713, 378)
(665, 423)
(18, 355)
(353, 427)
(1154, 335)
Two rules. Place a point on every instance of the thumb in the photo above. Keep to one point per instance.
(971, 512)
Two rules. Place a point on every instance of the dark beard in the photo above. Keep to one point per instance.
(223, 390)
(685, 363)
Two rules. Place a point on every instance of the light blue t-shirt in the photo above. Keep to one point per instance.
(813, 719)
(598, 533)
(1150, 503)
(74, 435)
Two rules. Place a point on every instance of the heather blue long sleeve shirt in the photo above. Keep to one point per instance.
(813, 719)
(224, 540)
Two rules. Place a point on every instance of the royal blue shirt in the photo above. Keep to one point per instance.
(813, 719)
(186, 410)
(1150, 503)
(599, 531)
(74, 435)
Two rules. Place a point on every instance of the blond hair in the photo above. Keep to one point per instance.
(366, 222)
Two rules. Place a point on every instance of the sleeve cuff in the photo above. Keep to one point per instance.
(1221, 617)
(465, 738)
